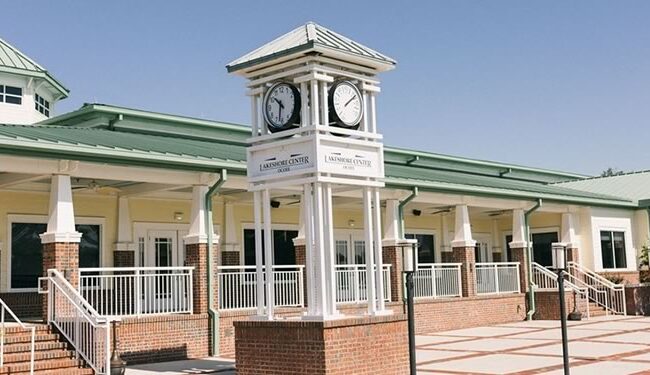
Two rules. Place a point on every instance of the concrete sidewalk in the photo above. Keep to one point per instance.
(220, 366)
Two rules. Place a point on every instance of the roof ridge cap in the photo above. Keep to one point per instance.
(604, 177)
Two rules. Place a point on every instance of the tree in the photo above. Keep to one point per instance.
(609, 172)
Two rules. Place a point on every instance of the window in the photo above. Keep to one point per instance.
(426, 247)
(284, 252)
(11, 94)
(27, 251)
(612, 247)
(42, 105)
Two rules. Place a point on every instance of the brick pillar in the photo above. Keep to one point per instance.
(392, 255)
(465, 256)
(519, 256)
(301, 260)
(64, 257)
(123, 258)
(196, 256)
(573, 255)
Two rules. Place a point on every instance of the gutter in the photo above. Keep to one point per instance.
(529, 261)
(213, 325)
(400, 209)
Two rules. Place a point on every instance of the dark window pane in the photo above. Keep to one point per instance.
(249, 247)
(508, 249)
(619, 250)
(89, 246)
(46, 113)
(47, 104)
(13, 90)
(426, 247)
(606, 249)
(284, 252)
(13, 99)
(2, 99)
(2, 88)
(542, 248)
(26, 254)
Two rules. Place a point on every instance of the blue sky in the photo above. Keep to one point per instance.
(552, 84)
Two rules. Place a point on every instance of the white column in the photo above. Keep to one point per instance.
(372, 113)
(463, 229)
(496, 240)
(61, 223)
(519, 239)
(309, 249)
(330, 256)
(444, 236)
(379, 273)
(313, 103)
(320, 280)
(124, 230)
(268, 254)
(391, 222)
(259, 274)
(324, 104)
(304, 99)
(300, 239)
(569, 236)
(197, 233)
(368, 222)
(228, 228)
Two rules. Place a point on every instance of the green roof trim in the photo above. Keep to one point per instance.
(102, 145)
(13, 61)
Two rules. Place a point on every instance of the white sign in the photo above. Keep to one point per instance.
(350, 161)
(282, 160)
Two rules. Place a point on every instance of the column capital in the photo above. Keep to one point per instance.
(61, 224)
(519, 240)
(462, 229)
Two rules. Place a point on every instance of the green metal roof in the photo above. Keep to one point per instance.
(304, 39)
(129, 148)
(106, 146)
(14, 61)
(634, 185)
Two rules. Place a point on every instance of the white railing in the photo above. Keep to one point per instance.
(497, 278)
(601, 291)
(437, 280)
(545, 279)
(237, 286)
(137, 291)
(351, 283)
(3, 310)
(82, 326)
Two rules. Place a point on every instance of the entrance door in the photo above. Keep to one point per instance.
(163, 251)
(350, 246)
(483, 249)
(542, 247)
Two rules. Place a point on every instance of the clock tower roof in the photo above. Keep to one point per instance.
(307, 39)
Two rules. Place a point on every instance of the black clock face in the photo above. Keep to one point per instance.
(346, 104)
(282, 107)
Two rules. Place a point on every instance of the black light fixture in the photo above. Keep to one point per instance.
(275, 204)
(560, 265)
(417, 212)
(409, 267)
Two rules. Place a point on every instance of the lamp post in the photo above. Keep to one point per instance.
(560, 264)
(409, 267)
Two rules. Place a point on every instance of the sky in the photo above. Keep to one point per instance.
(549, 84)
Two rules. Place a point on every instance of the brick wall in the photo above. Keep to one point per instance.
(163, 338)
(304, 347)
(466, 256)
(64, 257)
(391, 255)
(629, 277)
(24, 304)
(519, 256)
(430, 315)
(446, 257)
(547, 305)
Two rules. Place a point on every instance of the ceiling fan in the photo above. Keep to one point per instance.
(92, 185)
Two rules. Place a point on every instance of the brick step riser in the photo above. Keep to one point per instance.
(68, 371)
(61, 365)
(38, 346)
(21, 339)
(38, 356)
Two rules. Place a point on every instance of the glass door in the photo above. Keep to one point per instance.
(162, 252)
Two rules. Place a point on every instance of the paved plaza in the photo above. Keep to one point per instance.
(607, 345)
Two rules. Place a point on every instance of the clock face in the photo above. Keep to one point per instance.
(281, 106)
(346, 102)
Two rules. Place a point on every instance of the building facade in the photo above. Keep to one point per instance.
(125, 203)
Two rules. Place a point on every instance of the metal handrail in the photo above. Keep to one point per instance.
(70, 325)
(616, 291)
(133, 269)
(583, 292)
(275, 267)
(593, 275)
(4, 308)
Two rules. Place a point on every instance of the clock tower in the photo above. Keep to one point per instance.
(314, 131)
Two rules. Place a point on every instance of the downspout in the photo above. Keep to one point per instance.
(529, 262)
(212, 312)
(400, 210)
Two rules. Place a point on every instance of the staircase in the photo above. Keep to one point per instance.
(51, 353)
(596, 309)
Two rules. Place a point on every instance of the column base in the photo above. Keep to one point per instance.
(323, 347)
